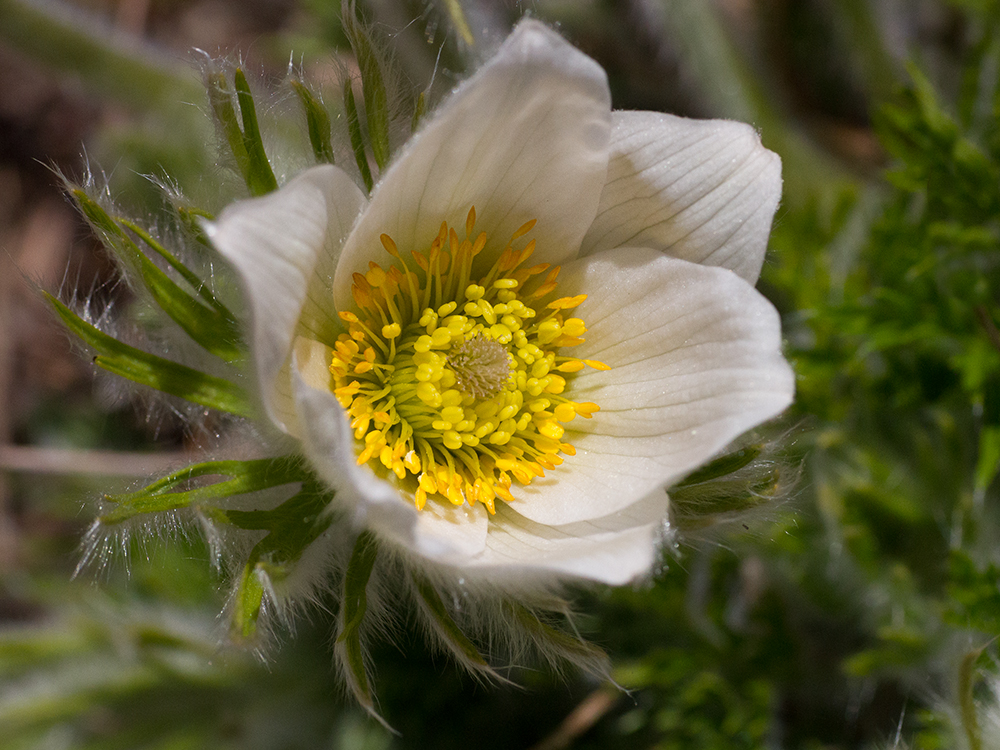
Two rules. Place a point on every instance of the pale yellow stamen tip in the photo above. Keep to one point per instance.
(481, 366)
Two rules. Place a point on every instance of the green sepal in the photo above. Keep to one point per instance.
(156, 372)
(247, 603)
(372, 86)
(221, 100)
(714, 490)
(242, 132)
(966, 698)
(418, 112)
(723, 465)
(318, 122)
(447, 629)
(355, 604)
(291, 528)
(552, 639)
(214, 328)
(259, 177)
(357, 140)
(191, 220)
(243, 477)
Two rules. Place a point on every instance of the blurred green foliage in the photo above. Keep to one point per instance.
(838, 617)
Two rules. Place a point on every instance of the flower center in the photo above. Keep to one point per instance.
(481, 366)
(452, 382)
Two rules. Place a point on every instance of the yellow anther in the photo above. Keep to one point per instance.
(389, 245)
(474, 292)
(565, 412)
(391, 331)
(375, 275)
(441, 337)
(540, 368)
(452, 414)
(510, 322)
(524, 229)
(428, 393)
(500, 333)
(538, 404)
(566, 303)
(451, 397)
(487, 312)
(574, 327)
(551, 429)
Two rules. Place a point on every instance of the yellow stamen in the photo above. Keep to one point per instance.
(450, 380)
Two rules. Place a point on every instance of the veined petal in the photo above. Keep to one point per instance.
(439, 532)
(284, 245)
(525, 138)
(614, 549)
(700, 190)
(696, 360)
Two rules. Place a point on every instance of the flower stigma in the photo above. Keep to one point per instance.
(453, 382)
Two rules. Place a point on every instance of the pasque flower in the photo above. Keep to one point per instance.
(542, 317)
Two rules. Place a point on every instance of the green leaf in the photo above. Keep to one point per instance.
(418, 112)
(243, 477)
(372, 87)
(221, 101)
(156, 372)
(214, 328)
(445, 626)
(248, 602)
(318, 121)
(355, 604)
(259, 176)
(291, 528)
(723, 465)
(966, 684)
(568, 646)
(357, 140)
(244, 142)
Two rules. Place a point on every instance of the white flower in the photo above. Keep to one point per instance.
(661, 222)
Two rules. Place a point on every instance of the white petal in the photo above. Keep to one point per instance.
(614, 549)
(525, 138)
(701, 190)
(441, 532)
(284, 245)
(696, 361)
